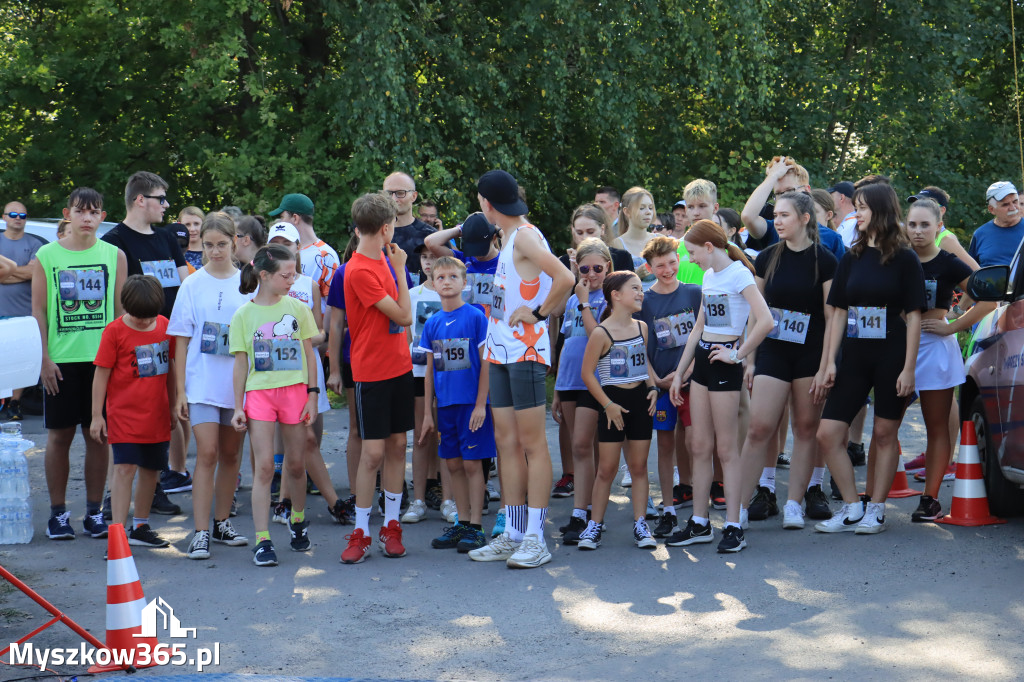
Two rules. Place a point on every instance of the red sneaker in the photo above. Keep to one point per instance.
(915, 464)
(358, 543)
(391, 540)
(948, 475)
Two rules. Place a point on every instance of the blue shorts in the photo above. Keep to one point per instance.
(665, 414)
(146, 455)
(456, 440)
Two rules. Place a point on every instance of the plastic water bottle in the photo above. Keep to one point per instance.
(6, 522)
(23, 525)
(15, 505)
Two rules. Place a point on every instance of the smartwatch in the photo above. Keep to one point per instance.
(734, 357)
(536, 313)
(313, 389)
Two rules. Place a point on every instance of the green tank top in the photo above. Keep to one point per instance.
(79, 298)
(689, 273)
(939, 236)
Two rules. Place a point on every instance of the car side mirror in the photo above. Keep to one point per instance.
(989, 283)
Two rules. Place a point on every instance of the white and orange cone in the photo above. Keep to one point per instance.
(970, 502)
(900, 484)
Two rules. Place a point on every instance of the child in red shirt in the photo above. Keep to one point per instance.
(133, 375)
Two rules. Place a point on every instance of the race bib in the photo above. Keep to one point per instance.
(451, 354)
(153, 359)
(498, 302)
(81, 285)
(789, 325)
(931, 286)
(863, 322)
(276, 355)
(214, 339)
(164, 270)
(479, 288)
(576, 328)
(674, 330)
(716, 310)
(627, 362)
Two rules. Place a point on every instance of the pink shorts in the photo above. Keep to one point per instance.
(282, 405)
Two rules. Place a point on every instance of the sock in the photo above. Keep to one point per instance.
(298, 516)
(590, 508)
(392, 506)
(730, 524)
(535, 522)
(57, 509)
(278, 463)
(670, 510)
(363, 520)
(768, 478)
(699, 520)
(462, 523)
(817, 476)
(136, 522)
(579, 514)
(92, 508)
(516, 525)
(262, 535)
(476, 526)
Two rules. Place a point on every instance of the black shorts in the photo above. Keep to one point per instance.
(867, 364)
(716, 376)
(346, 376)
(582, 398)
(385, 407)
(419, 387)
(146, 455)
(72, 406)
(638, 423)
(519, 385)
(787, 361)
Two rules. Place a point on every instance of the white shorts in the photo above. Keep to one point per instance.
(939, 363)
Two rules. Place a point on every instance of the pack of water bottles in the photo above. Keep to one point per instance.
(15, 505)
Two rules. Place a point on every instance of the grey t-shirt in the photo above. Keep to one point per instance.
(669, 319)
(16, 299)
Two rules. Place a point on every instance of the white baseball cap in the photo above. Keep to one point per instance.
(283, 229)
(1000, 190)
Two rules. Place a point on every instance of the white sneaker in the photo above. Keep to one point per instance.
(627, 480)
(415, 513)
(873, 521)
(532, 552)
(675, 476)
(793, 516)
(281, 518)
(449, 511)
(500, 549)
(744, 518)
(844, 522)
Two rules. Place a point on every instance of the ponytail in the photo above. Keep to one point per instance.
(707, 232)
(613, 282)
(267, 259)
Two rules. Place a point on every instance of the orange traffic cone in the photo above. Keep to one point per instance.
(125, 602)
(900, 485)
(970, 503)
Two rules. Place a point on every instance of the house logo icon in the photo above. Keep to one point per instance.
(159, 611)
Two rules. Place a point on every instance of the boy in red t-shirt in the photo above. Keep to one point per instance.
(378, 310)
(133, 371)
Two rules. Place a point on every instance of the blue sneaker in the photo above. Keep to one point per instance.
(95, 526)
(449, 539)
(499, 523)
(58, 528)
(471, 539)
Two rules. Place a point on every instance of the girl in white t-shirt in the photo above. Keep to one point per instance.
(717, 349)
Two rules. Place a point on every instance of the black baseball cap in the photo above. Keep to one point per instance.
(679, 204)
(929, 194)
(181, 232)
(502, 190)
(477, 234)
(844, 187)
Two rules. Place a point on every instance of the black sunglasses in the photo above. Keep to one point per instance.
(12, 214)
(585, 269)
(657, 228)
(162, 198)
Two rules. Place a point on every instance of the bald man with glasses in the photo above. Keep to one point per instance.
(410, 231)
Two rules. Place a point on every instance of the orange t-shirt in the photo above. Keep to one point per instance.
(380, 350)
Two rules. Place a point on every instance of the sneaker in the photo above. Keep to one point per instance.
(666, 527)
(95, 526)
(571, 532)
(948, 475)
(564, 487)
(499, 523)
(162, 504)
(717, 495)
(234, 507)
(11, 411)
(59, 528)
(652, 511)
(339, 512)
(225, 534)
(449, 511)
(627, 480)
(763, 504)
(915, 465)
(590, 537)
(264, 555)
(782, 462)
(199, 547)
(817, 504)
(108, 511)
(434, 496)
(873, 521)
(311, 488)
(691, 535)
(532, 552)
(793, 516)
(175, 481)
(275, 487)
(358, 544)
(500, 548)
(492, 492)
(844, 522)
(732, 540)
(675, 476)
(642, 535)
(856, 453)
(300, 537)
(403, 504)
(390, 540)
(282, 512)
(682, 495)
(417, 510)
(472, 538)
(928, 509)
(449, 538)
(144, 536)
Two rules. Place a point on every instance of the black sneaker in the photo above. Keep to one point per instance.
(339, 512)
(300, 538)
(225, 534)
(175, 481)
(450, 537)
(162, 504)
(144, 536)
(666, 527)
(571, 531)
(311, 488)
(11, 411)
(199, 547)
(762, 505)
(782, 462)
(717, 495)
(275, 487)
(564, 487)
(108, 511)
(95, 526)
(264, 555)
(928, 509)
(856, 453)
(434, 495)
(817, 504)
(562, 529)
(590, 538)
(691, 534)
(59, 527)
(682, 495)
(732, 540)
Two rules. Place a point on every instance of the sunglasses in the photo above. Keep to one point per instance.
(657, 228)
(161, 198)
(22, 216)
(585, 269)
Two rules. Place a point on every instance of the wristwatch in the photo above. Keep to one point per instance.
(313, 389)
(734, 357)
(582, 306)
(536, 313)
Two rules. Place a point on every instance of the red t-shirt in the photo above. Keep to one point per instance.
(380, 350)
(137, 406)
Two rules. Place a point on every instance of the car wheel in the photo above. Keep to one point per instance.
(1004, 498)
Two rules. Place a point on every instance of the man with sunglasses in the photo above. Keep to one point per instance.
(16, 288)
(410, 231)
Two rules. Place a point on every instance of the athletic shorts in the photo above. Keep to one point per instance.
(72, 405)
(346, 376)
(939, 363)
(637, 422)
(683, 410)
(581, 398)
(519, 385)
(385, 407)
(419, 387)
(201, 413)
(151, 456)
(283, 405)
(455, 438)
(787, 361)
(665, 414)
(716, 376)
(867, 364)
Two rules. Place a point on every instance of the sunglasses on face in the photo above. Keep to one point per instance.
(585, 269)
(14, 215)
(657, 228)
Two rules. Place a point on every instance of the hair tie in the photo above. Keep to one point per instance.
(252, 263)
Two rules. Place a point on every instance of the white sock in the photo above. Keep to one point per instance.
(580, 514)
(392, 506)
(670, 509)
(768, 478)
(535, 521)
(699, 520)
(729, 524)
(363, 520)
(817, 476)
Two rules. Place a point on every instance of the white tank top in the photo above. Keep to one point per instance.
(302, 290)
(525, 342)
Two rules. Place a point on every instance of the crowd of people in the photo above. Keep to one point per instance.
(718, 330)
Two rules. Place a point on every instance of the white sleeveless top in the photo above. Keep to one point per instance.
(302, 290)
(526, 342)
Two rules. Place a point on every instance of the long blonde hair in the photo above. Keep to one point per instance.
(632, 197)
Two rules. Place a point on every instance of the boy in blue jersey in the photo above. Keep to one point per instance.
(454, 342)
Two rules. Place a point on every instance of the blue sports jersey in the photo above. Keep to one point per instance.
(570, 360)
(455, 339)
